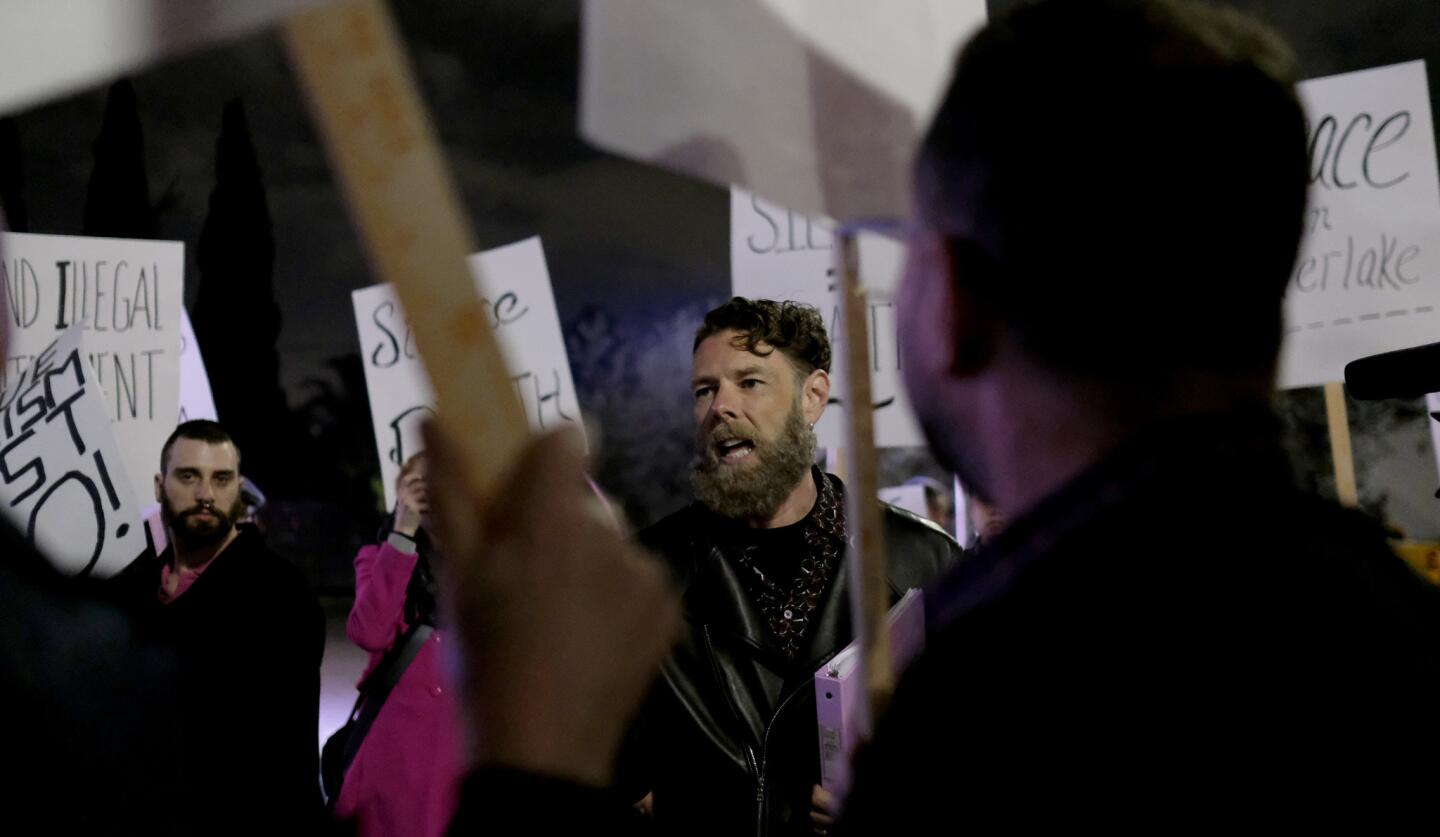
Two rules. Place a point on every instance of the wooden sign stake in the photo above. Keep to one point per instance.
(366, 105)
(1344, 455)
(867, 565)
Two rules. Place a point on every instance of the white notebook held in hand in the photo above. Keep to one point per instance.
(839, 690)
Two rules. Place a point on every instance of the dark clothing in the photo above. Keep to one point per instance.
(1179, 631)
(84, 706)
(769, 554)
(785, 571)
(1179, 637)
(248, 635)
(728, 741)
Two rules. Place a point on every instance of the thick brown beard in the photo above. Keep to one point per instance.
(755, 493)
(197, 540)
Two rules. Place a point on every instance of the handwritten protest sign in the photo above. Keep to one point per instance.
(1368, 276)
(515, 285)
(62, 480)
(196, 399)
(778, 254)
(127, 295)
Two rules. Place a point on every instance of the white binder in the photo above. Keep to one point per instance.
(839, 690)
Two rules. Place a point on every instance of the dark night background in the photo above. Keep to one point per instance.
(216, 150)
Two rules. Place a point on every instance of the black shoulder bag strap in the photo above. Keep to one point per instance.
(377, 688)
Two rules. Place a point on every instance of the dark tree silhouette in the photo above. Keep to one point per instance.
(12, 179)
(117, 202)
(236, 318)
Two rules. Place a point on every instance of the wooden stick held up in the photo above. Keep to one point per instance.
(1339, 420)
(366, 105)
(870, 597)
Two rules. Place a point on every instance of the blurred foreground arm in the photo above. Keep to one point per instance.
(561, 624)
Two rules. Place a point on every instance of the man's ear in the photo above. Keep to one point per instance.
(975, 328)
(816, 394)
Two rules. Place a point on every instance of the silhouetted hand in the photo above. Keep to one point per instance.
(561, 622)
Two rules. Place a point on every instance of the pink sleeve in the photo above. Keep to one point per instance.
(381, 574)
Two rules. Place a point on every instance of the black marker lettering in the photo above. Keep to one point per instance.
(1340, 152)
(150, 379)
(1403, 119)
(380, 357)
(60, 324)
(504, 312)
(104, 473)
(36, 465)
(774, 229)
(99, 295)
(99, 512)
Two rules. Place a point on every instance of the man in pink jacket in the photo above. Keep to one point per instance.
(404, 778)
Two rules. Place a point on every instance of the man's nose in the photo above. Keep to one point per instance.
(724, 405)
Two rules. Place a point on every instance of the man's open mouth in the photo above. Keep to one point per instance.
(734, 450)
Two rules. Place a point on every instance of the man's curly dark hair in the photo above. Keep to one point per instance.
(794, 328)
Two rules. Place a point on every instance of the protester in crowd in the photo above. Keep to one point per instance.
(404, 775)
(1167, 634)
(248, 635)
(728, 743)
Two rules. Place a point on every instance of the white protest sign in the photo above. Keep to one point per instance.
(816, 104)
(62, 480)
(778, 254)
(196, 399)
(128, 295)
(515, 285)
(1368, 276)
(49, 49)
(911, 498)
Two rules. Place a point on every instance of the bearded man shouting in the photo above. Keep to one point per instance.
(727, 743)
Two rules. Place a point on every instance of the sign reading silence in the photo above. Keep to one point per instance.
(779, 254)
(514, 283)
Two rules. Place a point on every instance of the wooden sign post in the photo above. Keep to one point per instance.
(1339, 420)
(365, 102)
(867, 563)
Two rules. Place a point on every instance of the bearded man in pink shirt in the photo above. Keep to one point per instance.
(248, 635)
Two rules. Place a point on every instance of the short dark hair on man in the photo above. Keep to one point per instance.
(1124, 182)
(199, 430)
(794, 328)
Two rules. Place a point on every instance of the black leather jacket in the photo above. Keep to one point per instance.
(727, 741)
